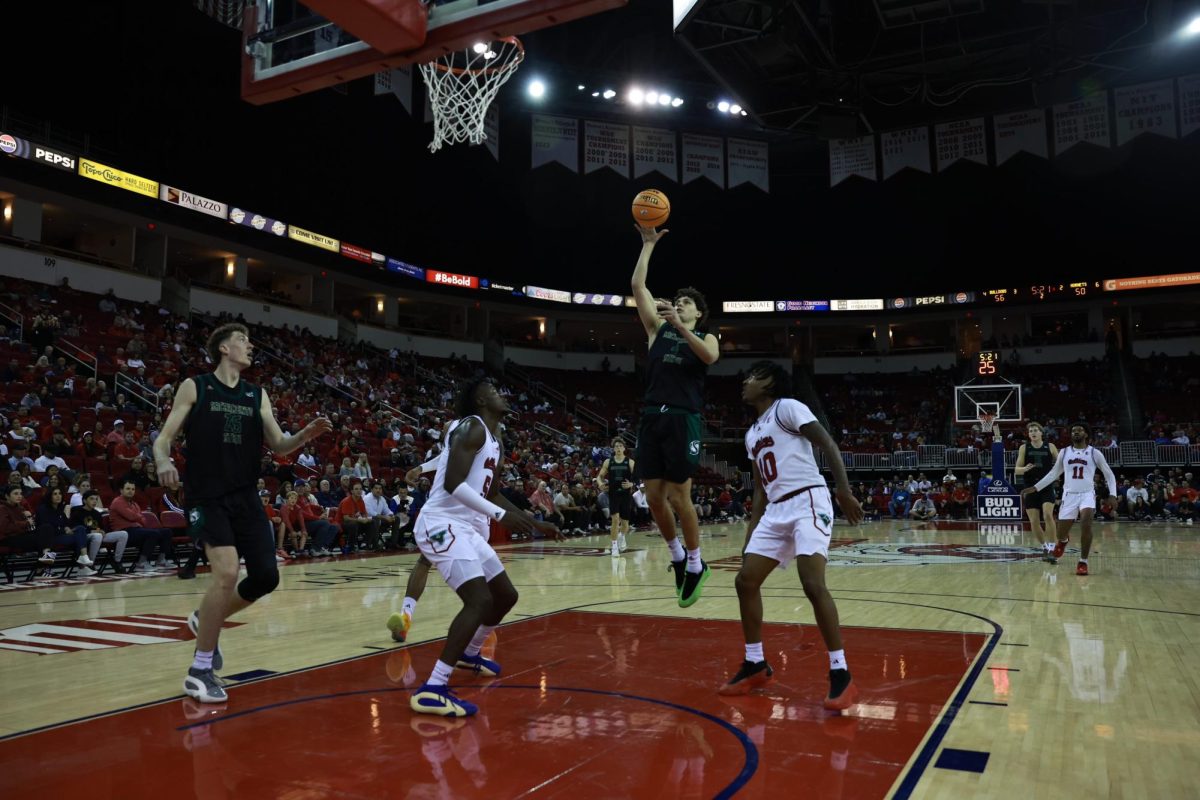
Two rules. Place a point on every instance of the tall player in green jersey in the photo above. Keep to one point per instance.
(226, 421)
(668, 449)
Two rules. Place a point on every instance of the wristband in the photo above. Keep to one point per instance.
(430, 465)
(476, 502)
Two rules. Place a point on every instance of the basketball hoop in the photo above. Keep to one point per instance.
(986, 421)
(462, 84)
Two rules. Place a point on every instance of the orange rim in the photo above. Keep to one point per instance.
(506, 66)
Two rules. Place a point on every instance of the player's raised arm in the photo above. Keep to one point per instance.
(283, 444)
(646, 306)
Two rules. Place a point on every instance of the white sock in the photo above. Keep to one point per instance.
(203, 659)
(1048, 546)
(676, 549)
(477, 641)
(837, 659)
(754, 653)
(409, 607)
(441, 674)
(693, 557)
(1083, 561)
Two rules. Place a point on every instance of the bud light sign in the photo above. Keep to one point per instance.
(998, 501)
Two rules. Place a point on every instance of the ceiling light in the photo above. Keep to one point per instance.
(723, 106)
(651, 97)
(677, 102)
(537, 89)
(480, 48)
(735, 109)
(609, 94)
(581, 87)
(1193, 27)
(595, 94)
(664, 99)
(636, 96)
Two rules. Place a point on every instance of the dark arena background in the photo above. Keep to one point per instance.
(939, 219)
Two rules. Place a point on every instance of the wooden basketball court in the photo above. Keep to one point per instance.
(983, 672)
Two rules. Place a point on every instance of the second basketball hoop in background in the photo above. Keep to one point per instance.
(651, 208)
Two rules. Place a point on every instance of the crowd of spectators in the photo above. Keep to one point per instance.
(78, 448)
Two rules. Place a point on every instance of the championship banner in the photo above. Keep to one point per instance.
(605, 145)
(1020, 131)
(193, 201)
(257, 221)
(907, 148)
(1083, 120)
(654, 151)
(852, 157)
(748, 163)
(315, 239)
(1189, 104)
(555, 139)
(22, 148)
(965, 139)
(115, 177)
(1145, 108)
(491, 130)
(703, 157)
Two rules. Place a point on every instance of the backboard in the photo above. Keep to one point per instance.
(1002, 399)
(291, 49)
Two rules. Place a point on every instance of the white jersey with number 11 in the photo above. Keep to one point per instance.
(1078, 466)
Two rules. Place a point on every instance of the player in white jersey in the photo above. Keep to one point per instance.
(792, 518)
(451, 532)
(1078, 463)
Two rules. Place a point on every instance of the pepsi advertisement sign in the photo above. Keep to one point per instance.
(22, 148)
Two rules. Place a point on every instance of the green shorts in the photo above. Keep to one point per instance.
(668, 445)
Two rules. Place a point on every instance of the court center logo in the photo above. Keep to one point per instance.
(919, 554)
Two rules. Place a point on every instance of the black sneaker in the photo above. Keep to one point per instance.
(680, 568)
(693, 582)
(752, 675)
(842, 691)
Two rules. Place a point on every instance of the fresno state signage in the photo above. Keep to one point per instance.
(451, 279)
(998, 502)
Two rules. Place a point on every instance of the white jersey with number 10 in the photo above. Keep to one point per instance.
(783, 455)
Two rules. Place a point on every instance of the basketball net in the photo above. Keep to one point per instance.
(462, 84)
(986, 421)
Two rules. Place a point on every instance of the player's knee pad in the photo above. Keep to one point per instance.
(259, 584)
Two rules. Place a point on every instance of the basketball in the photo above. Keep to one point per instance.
(651, 208)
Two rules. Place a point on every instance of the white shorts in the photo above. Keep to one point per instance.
(457, 549)
(1074, 502)
(799, 526)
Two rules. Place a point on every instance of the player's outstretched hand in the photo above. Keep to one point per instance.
(550, 529)
(317, 428)
(650, 235)
(850, 506)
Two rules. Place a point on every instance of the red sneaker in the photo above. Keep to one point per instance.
(842, 690)
(751, 676)
(1060, 548)
(1081, 569)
